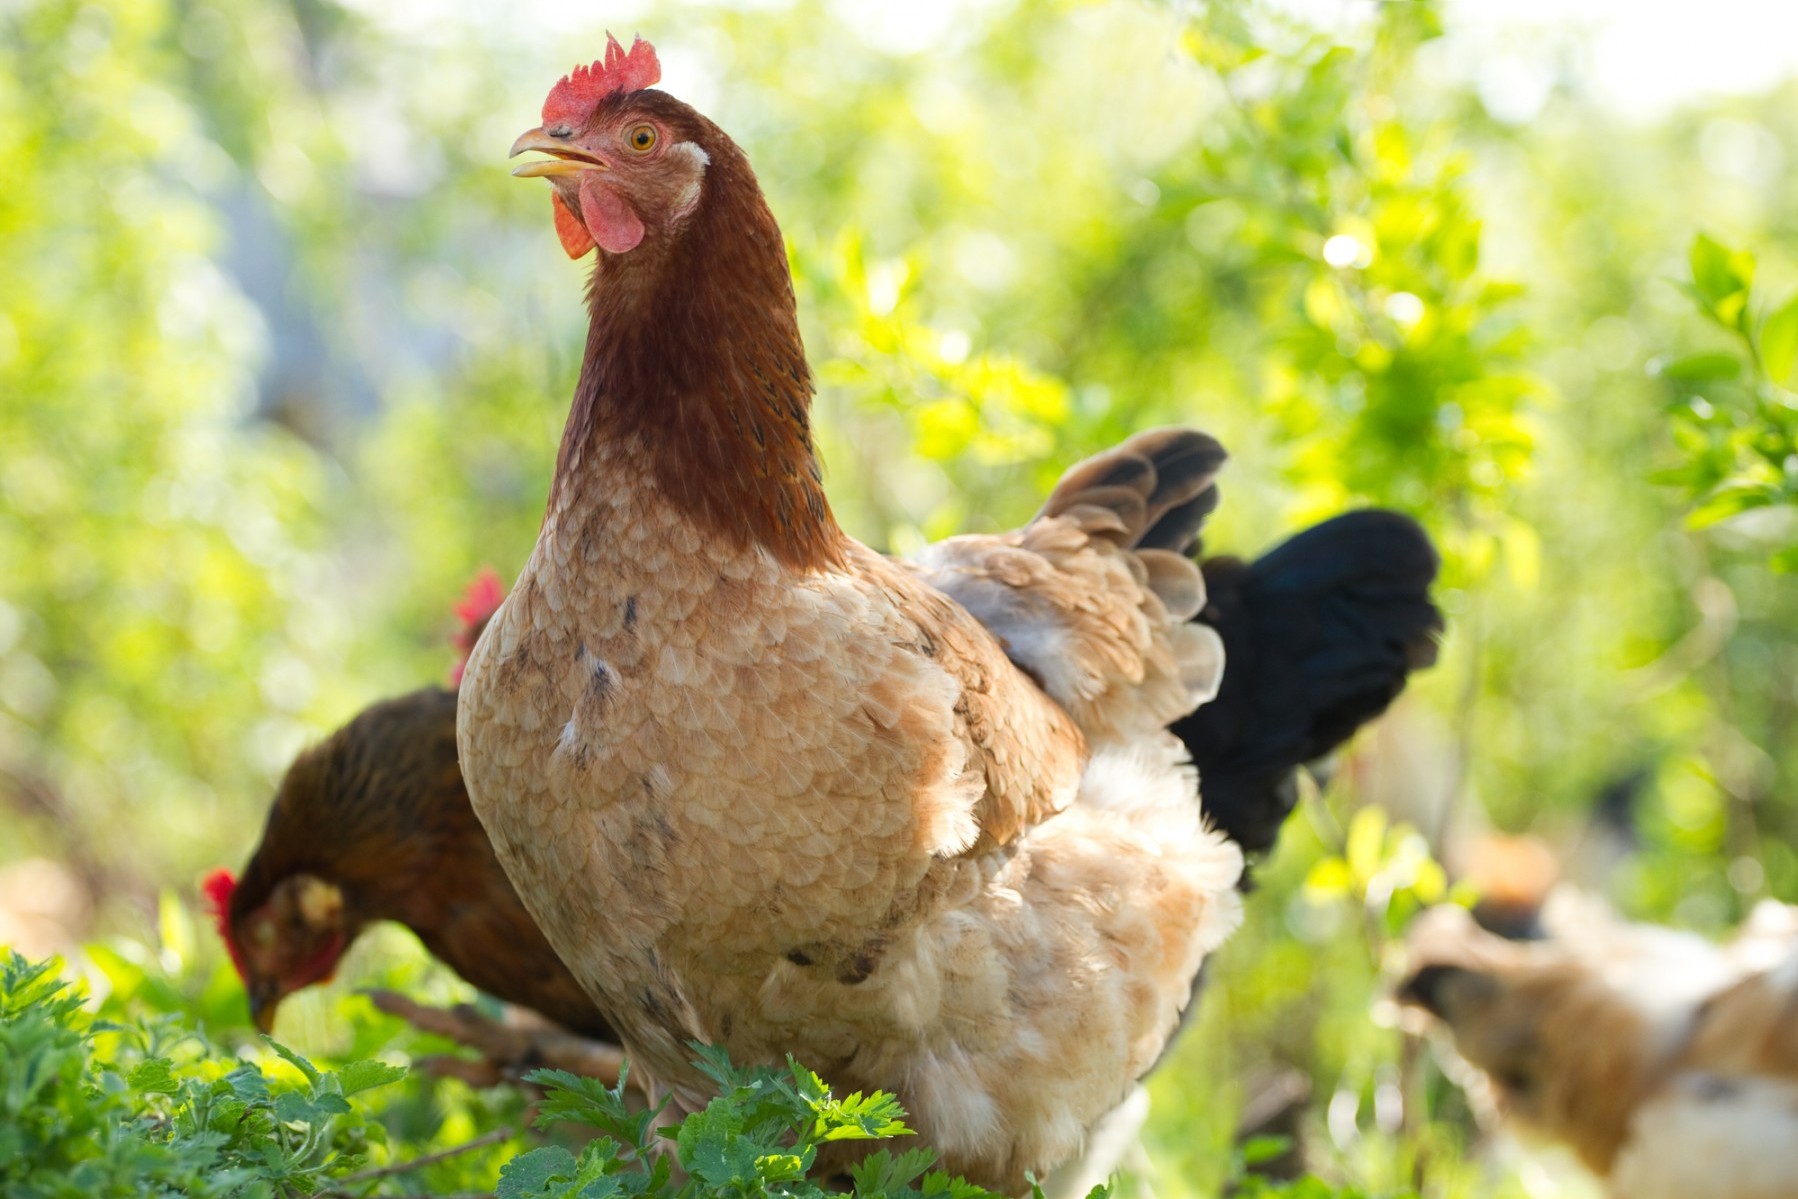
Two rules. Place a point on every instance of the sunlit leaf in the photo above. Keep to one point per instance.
(1728, 501)
(1718, 272)
(1779, 344)
(1700, 368)
(361, 1076)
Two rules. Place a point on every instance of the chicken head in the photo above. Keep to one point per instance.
(625, 162)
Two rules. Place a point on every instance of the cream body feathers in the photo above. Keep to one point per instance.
(823, 813)
(1669, 1064)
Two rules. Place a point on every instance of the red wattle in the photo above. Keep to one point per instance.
(575, 238)
(609, 219)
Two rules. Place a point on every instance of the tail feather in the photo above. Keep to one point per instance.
(1177, 529)
(1160, 483)
(1091, 599)
(1321, 635)
(1171, 577)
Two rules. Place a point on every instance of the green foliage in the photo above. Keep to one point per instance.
(96, 1109)
(1736, 411)
(759, 1137)
(93, 1109)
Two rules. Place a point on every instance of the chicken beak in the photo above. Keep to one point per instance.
(566, 160)
(265, 997)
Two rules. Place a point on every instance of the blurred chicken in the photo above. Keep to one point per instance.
(1668, 1064)
(1517, 875)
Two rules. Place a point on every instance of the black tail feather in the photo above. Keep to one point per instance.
(1320, 636)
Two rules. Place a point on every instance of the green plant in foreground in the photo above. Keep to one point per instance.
(103, 1109)
(760, 1136)
(160, 1115)
(93, 1108)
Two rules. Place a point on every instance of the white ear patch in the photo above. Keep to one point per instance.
(698, 160)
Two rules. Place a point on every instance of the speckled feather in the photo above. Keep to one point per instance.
(1100, 623)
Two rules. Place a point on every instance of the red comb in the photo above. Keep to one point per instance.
(573, 99)
(479, 603)
(217, 888)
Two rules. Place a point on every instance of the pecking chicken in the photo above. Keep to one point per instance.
(374, 824)
(1670, 1065)
(764, 788)
(1314, 648)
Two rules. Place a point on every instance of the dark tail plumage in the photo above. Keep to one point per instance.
(1319, 637)
(1158, 484)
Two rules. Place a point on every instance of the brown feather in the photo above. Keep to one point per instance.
(378, 809)
(723, 416)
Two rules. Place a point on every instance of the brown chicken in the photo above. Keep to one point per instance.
(373, 824)
(1670, 1065)
(1318, 635)
(763, 787)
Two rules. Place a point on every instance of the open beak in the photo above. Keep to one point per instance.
(566, 160)
(265, 997)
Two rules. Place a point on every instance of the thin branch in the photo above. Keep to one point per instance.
(418, 1163)
(431, 1159)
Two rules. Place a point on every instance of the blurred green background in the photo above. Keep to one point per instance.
(284, 356)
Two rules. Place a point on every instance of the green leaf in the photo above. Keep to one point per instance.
(1257, 1150)
(293, 1059)
(574, 1099)
(1701, 368)
(329, 1103)
(1779, 343)
(780, 1167)
(529, 1175)
(883, 1172)
(247, 1082)
(295, 1108)
(1718, 273)
(713, 1147)
(1731, 499)
(366, 1075)
(154, 1076)
(859, 1118)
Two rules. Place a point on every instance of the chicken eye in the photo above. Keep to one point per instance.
(642, 139)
